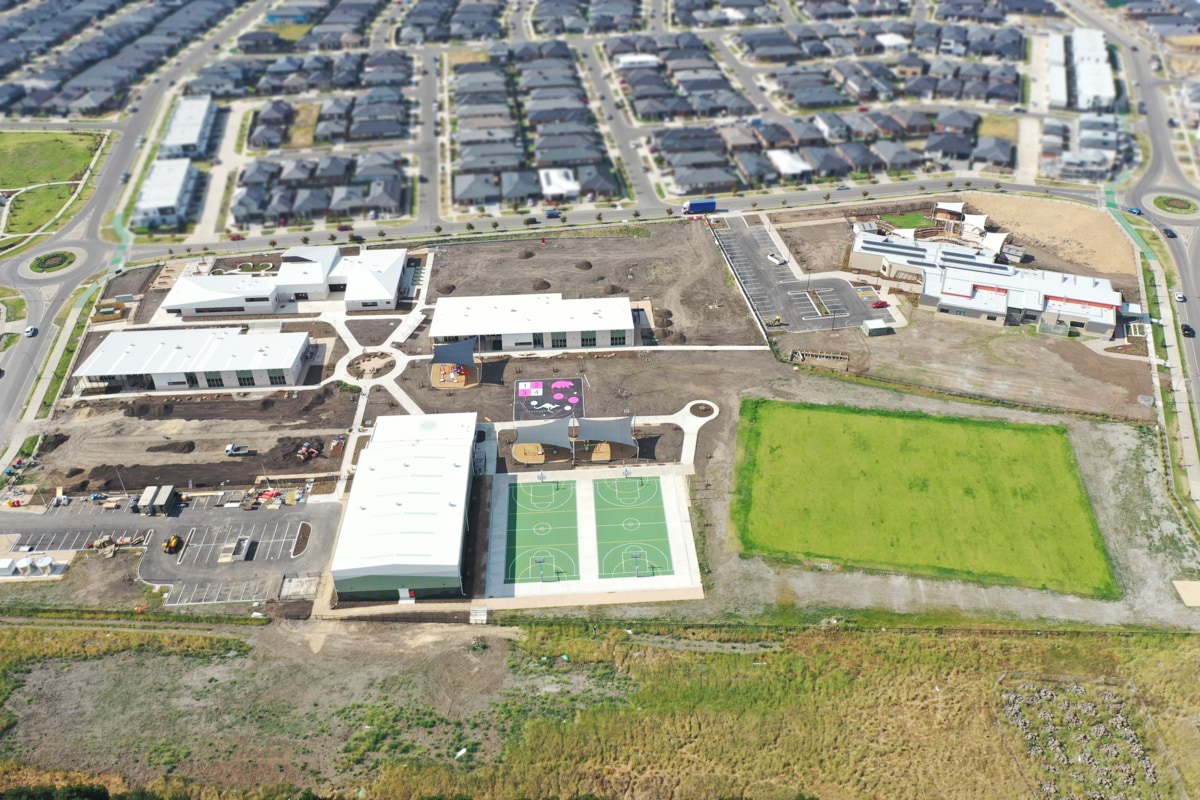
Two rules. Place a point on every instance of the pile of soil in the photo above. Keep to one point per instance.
(541, 285)
(173, 447)
(584, 265)
(52, 442)
(149, 410)
(612, 288)
(447, 288)
(525, 254)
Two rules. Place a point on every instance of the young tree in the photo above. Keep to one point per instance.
(826, 197)
(470, 226)
(273, 243)
(333, 237)
(865, 192)
(495, 224)
(599, 216)
(670, 211)
(304, 240)
(636, 214)
(437, 228)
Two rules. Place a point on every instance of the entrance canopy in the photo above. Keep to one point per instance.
(460, 353)
(555, 433)
(615, 431)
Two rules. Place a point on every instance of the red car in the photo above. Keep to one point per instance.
(237, 237)
(879, 304)
(344, 227)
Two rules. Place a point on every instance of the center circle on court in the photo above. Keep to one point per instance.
(631, 524)
(541, 528)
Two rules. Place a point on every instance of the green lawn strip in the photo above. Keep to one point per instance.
(64, 362)
(913, 219)
(33, 208)
(946, 497)
(28, 159)
(13, 302)
(7, 340)
(29, 446)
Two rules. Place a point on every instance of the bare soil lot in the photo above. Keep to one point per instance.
(335, 349)
(1083, 237)
(92, 581)
(821, 247)
(131, 281)
(1004, 363)
(677, 266)
(372, 332)
(175, 440)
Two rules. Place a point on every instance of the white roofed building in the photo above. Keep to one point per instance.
(203, 358)
(558, 183)
(165, 198)
(966, 282)
(402, 532)
(535, 322)
(1095, 88)
(189, 129)
(373, 279)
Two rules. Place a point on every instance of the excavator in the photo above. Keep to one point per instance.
(172, 544)
(307, 452)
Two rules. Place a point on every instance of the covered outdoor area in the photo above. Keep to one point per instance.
(544, 443)
(599, 441)
(455, 365)
(594, 441)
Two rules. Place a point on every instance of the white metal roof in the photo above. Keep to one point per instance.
(788, 162)
(528, 313)
(558, 182)
(188, 120)
(371, 275)
(165, 184)
(408, 499)
(150, 352)
(1048, 291)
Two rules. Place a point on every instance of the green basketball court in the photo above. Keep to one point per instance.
(631, 528)
(543, 535)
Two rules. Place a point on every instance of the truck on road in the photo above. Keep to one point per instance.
(699, 206)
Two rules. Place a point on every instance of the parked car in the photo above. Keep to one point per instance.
(879, 304)
(31, 331)
(124, 177)
(531, 220)
(553, 213)
(1170, 233)
(1137, 212)
(840, 187)
(1179, 298)
(237, 237)
(345, 227)
(1188, 330)
(776, 259)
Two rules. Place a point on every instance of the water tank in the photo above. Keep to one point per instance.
(24, 565)
(44, 565)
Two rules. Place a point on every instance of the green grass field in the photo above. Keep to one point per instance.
(31, 158)
(34, 208)
(631, 528)
(938, 496)
(914, 219)
(543, 534)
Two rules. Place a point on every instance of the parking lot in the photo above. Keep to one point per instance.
(269, 541)
(801, 304)
(192, 593)
(197, 574)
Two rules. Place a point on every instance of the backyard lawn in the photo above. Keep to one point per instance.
(937, 496)
(31, 158)
(34, 208)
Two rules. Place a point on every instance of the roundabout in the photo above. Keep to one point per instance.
(1175, 205)
(56, 261)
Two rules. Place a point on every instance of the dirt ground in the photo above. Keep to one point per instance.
(175, 441)
(131, 281)
(320, 332)
(372, 332)
(1086, 238)
(92, 581)
(284, 712)
(819, 247)
(1006, 363)
(677, 267)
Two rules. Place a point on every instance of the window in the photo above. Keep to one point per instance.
(538, 341)
(277, 377)
(943, 311)
(214, 380)
(991, 317)
(960, 313)
(587, 339)
(1076, 324)
(558, 340)
(617, 338)
(258, 299)
(245, 377)
(370, 304)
